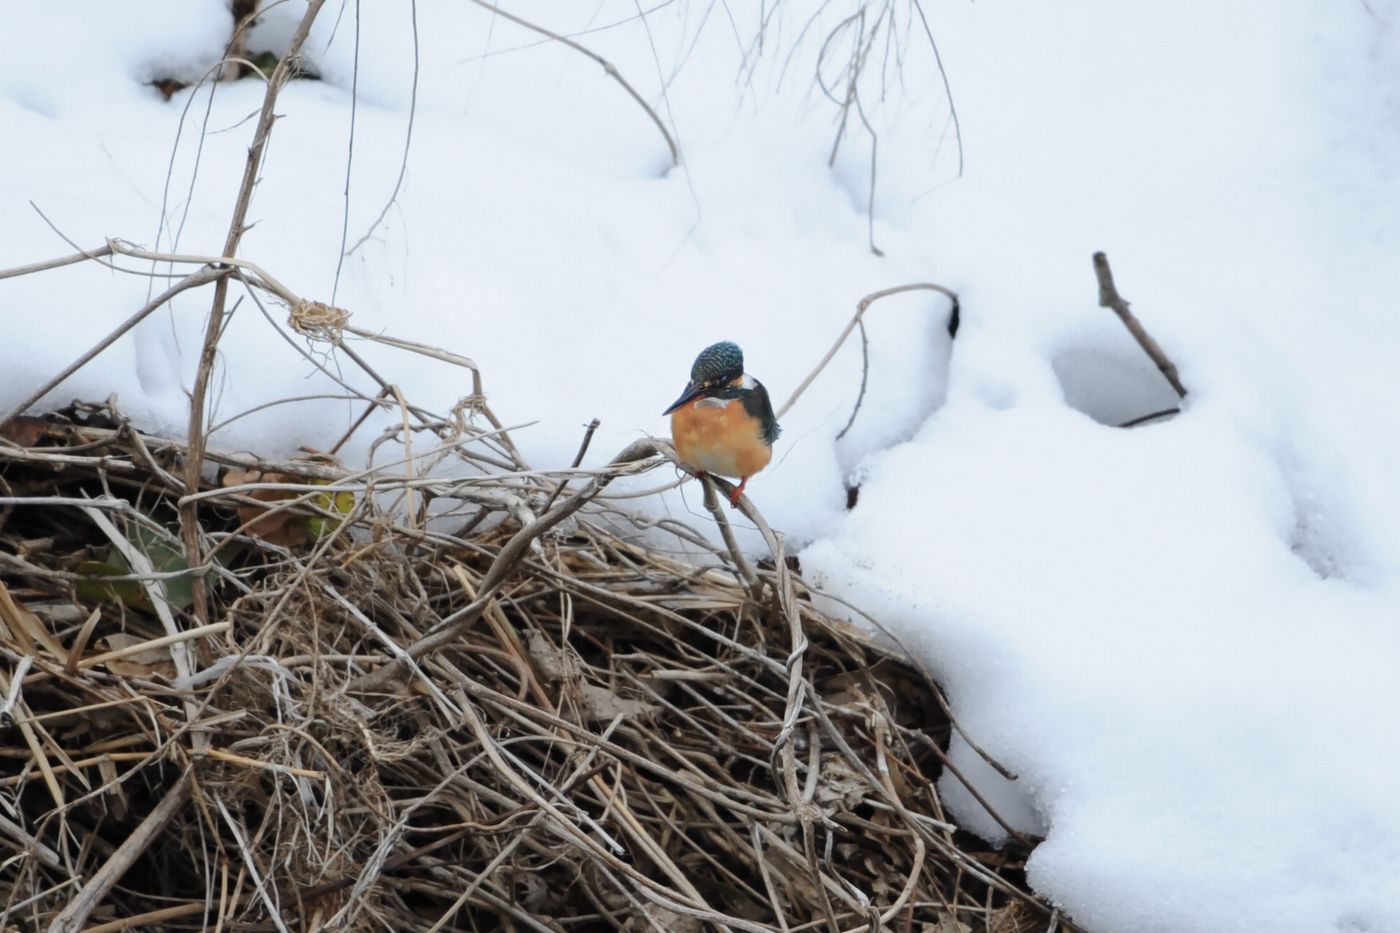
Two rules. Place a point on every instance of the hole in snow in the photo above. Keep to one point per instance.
(1320, 537)
(1310, 547)
(1113, 387)
(1356, 923)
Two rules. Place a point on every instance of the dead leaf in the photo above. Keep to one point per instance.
(146, 663)
(602, 705)
(841, 789)
(168, 87)
(287, 528)
(553, 663)
(598, 704)
(24, 430)
(664, 919)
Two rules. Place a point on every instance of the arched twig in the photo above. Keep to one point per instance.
(861, 307)
(608, 66)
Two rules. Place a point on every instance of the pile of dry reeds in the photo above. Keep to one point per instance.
(522, 714)
(239, 694)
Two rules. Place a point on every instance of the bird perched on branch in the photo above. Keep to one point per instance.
(723, 422)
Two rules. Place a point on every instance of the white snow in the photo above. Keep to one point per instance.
(1183, 638)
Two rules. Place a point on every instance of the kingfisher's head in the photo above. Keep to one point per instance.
(717, 366)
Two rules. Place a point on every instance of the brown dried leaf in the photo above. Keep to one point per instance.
(553, 663)
(602, 705)
(841, 788)
(147, 663)
(287, 529)
(24, 430)
(233, 476)
(663, 919)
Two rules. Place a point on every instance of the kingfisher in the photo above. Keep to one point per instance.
(723, 422)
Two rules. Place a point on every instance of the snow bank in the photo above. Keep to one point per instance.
(1180, 637)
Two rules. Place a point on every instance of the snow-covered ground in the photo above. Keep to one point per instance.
(1184, 638)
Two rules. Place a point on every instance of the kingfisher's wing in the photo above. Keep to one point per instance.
(757, 404)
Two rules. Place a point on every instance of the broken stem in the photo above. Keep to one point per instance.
(1109, 298)
(194, 462)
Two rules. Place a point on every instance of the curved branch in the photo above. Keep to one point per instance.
(861, 307)
(607, 66)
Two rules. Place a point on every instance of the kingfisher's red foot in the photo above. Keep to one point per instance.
(738, 491)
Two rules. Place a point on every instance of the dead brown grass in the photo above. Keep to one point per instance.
(608, 737)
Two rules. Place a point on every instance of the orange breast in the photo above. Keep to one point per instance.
(722, 440)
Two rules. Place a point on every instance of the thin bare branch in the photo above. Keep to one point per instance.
(607, 66)
(72, 918)
(194, 280)
(1109, 298)
(189, 525)
(861, 307)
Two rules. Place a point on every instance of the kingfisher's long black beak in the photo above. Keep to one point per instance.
(691, 393)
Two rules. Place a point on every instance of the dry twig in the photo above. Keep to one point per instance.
(607, 66)
(861, 307)
(1109, 298)
(189, 528)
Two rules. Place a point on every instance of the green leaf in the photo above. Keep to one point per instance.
(166, 556)
(341, 503)
(127, 592)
